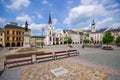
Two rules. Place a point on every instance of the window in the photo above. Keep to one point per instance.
(1, 34)
(17, 32)
(13, 38)
(13, 32)
(7, 38)
(7, 32)
(0, 39)
(17, 38)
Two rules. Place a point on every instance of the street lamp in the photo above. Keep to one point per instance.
(42, 36)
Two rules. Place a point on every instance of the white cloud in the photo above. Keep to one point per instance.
(35, 26)
(82, 14)
(40, 16)
(36, 29)
(96, 2)
(2, 20)
(44, 2)
(55, 20)
(104, 23)
(113, 5)
(69, 1)
(16, 4)
(115, 25)
(24, 18)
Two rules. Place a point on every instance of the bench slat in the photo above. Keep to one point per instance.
(12, 62)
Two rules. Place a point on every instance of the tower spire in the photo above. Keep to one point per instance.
(93, 22)
(49, 21)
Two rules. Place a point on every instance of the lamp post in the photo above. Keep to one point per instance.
(42, 36)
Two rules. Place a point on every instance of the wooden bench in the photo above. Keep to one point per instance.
(17, 60)
(60, 54)
(72, 53)
(40, 57)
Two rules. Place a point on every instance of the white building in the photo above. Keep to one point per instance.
(55, 38)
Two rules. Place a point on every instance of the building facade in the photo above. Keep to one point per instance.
(37, 41)
(14, 35)
(96, 37)
(2, 37)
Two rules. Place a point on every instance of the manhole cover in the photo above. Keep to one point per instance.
(59, 71)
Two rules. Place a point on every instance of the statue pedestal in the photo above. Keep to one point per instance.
(26, 40)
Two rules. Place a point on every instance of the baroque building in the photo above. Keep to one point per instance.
(14, 35)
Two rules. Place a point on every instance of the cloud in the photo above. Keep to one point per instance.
(55, 20)
(37, 28)
(69, 2)
(104, 23)
(2, 20)
(16, 4)
(24, 18)
(115, 25)
(44, 2)
(113, 5)
(83, 13)
(40, 16)
(96, 2)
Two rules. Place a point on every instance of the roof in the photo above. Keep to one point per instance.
(81, 33)
(100, 31)
(71, 32)
(114, 30)
(37, 36)
(13, 26)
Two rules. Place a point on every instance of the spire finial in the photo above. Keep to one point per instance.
(49, 21)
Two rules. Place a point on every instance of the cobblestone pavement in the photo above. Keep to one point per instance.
(41, 71)
(95, 58)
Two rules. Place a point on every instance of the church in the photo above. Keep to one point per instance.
(57, 38)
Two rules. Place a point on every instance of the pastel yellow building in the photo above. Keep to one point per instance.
(37, 41)
(14, 35)
(2, 37)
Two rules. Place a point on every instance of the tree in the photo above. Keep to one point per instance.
(86, 41)
(108, 38)
(118, 40)
(68, 40)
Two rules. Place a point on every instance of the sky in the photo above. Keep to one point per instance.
(65, 14)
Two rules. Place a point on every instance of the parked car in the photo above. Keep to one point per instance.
(107, 48)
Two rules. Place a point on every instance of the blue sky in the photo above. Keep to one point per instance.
(66, 14)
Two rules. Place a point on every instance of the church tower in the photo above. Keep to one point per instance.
(49, 36)
(93, 28)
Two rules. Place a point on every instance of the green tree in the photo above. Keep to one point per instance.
(118, 40)
(86, 41)
(108, 38)
(68, 40)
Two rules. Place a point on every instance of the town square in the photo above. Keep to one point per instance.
(59, 40)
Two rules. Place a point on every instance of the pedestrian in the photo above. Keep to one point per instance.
(83, 46)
